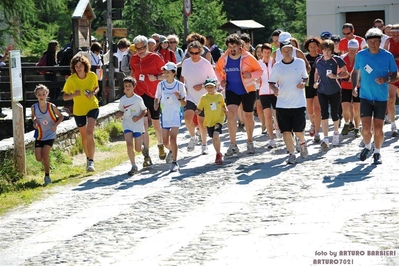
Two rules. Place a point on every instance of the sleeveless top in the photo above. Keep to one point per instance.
(45, 120)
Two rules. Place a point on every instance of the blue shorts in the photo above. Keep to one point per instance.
(135, 134)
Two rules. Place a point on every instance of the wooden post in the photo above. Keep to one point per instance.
(111, 77)
(19, 138)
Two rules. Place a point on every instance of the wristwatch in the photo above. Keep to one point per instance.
(389, 79)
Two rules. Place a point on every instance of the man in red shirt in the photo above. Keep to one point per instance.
(146, 69)
(348, 31)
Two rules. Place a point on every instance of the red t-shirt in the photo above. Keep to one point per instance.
(151, 64)
(347, 85)
(343, 44)
(168, 55)
(393, 47)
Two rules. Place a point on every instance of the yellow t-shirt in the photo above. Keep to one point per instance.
(213, 108)
(82, 104)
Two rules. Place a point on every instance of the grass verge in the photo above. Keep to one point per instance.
(110, 152)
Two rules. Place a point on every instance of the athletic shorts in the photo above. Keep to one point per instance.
(347, 97)
(293, 119)
(268, 101)
(81, 120)
(211, 130)
(310, 92)
(247, 100)
(374, 109)
(192, 106)
(42, 143)
(149, 103)
(135, 134)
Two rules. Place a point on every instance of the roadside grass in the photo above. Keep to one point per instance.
(110, 152)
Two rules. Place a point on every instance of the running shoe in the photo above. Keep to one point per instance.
(304, 150)
(134, 170)
(219, 159)
(233, 149)
(312, 130)
(169, 158)
(394, 131)
(278, 134)
(147, 161)
(272, 144)
(351, 126)
(363, 155)
(204, 149)
(90, 166)
(47, 180)
(325, 143)
(174, 167)
(345, 130)
(250, 148)
(335, 141)
(291, 159)
(297, 145)
(162, 153)
(356, 133)
(191, 144)
(316, 137)
(387, 120)
(377, 158)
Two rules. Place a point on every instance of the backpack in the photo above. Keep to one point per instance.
(125, 63)
(64, 58)
(42, 62)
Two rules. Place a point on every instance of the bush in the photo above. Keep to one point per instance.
(8, 173)
(114, 129)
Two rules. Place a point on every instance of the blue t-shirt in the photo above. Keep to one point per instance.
(233, 76)
(372, 66)
(328, 86)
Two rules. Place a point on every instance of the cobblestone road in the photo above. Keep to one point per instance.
(253, 210)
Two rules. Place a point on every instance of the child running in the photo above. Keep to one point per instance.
(46, 117)
(171, 95)
(214, 107)
(133, 110)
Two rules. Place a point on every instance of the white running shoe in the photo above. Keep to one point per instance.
(335, 141)
(204, 149)
(90, 166)
(304, 150)
(191, 144)
(250, 148)
(233, 149)
(325, 143)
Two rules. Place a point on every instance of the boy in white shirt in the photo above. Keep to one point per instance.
(170, 96)
(133, 110)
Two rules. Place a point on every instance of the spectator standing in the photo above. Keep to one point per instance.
(377, 67)
(237, 71)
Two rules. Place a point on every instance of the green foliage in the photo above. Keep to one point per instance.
(101, 136)
(8, 173)
(77, 147)
(114, 129)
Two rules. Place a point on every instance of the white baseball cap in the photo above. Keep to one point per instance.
(284, 36)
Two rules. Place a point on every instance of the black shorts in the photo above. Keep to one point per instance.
(310, 92)
(149, 103)
(42, 143)
(374, 109)
(191, 106)
(247, 100)
(291, 119)
(211, 130)
(81, 120)
(347, 97)
(268, 101)
(257, 95)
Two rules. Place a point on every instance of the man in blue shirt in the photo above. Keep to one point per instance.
(377, 68)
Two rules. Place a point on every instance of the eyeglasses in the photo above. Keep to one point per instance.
(346, 33)
(194, 53)
(141, 48)
(173, 42)
(380, 27)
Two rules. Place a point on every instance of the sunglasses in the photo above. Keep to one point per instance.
(196, 53)
(141, 48)
(173, 42)
(379, 27)
(346, 33)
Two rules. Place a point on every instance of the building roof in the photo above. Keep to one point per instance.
(83, 8)
(234, 25)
